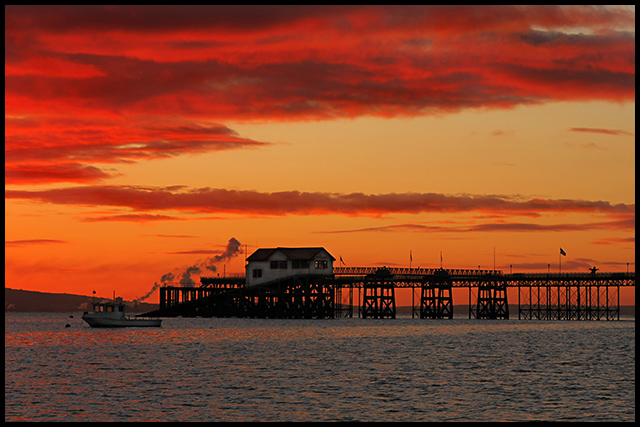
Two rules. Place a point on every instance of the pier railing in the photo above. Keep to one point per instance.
(551, 296)
(363, 271)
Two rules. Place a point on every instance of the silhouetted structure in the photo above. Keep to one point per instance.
(319, 294)
(436, 301)
(378, 295)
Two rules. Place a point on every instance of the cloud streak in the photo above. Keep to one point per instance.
(132, 218)
(626, 224)
(615, 132)
(30, 173)
(615, 241)
(31, 242)
(208, 200)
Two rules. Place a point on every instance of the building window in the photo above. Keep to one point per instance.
(278, 265)
(300, 263)
(257, 272)
(321, 264)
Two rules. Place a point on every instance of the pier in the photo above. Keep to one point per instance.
(370, 292)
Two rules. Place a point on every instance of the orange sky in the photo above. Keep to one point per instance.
(144, 144)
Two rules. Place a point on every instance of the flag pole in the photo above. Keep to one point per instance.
(562, 252)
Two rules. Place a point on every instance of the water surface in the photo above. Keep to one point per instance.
(319, 370)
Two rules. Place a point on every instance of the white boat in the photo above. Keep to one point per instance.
(111, 315)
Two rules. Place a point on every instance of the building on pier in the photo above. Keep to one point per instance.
(304, 283)
(269, 264)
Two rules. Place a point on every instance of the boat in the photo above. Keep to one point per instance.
(111, 315)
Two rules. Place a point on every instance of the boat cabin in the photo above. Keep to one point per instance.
(268, 264)
(111, 308)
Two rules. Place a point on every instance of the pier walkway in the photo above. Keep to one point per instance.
(370, 292)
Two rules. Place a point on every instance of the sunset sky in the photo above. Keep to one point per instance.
(148, 143)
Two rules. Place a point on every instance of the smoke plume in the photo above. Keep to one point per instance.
(232, 250)
(186, 281)
(164, 280)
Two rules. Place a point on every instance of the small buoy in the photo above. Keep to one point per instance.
(67, 325)
(71, 317)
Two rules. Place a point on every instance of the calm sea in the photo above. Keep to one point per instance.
(319, 370)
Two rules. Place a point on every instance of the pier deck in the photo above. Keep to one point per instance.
(550, 296)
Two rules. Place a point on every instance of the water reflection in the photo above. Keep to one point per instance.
(327, 370)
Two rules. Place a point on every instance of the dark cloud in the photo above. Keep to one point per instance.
(207, 200)
(29, 242)
(171, 236)
(132, 218)
(621, 224)
(194, 252)
(602, 131)
(252, 18)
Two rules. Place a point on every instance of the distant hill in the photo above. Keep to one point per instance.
(29, 301)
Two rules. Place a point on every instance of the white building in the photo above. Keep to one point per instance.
(265, 265)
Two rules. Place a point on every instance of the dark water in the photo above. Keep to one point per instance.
(319, 370)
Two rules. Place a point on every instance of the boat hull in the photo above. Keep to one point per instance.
(121, 323)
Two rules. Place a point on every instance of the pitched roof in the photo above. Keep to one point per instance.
(291, 253)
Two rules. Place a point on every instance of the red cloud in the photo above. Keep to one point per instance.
(38, 173)
(207, 200)
(317, 62)
(109, 84)
(603, 131)
(49, 149)
(110, 141)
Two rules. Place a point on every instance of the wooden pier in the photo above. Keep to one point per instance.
(559, 296)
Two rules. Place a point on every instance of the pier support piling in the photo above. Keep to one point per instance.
(436, 301)
(378, 300)
(492, 300)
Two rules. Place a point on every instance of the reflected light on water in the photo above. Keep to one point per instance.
(319, 370)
